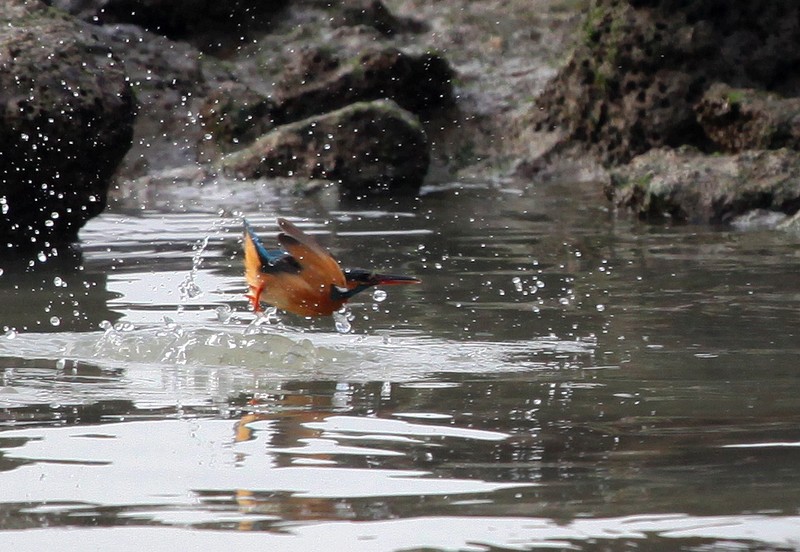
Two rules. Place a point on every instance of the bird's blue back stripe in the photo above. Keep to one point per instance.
(264, 254)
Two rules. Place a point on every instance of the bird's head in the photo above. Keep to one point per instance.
(359, 279)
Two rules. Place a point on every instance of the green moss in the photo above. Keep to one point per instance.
(37, 15)
(591, 25)
(568, 6)
(604, 30)
(735, 97)
(624, 180)
(643, 181)
(600, 79)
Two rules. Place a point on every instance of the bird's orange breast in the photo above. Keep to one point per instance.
(298, 294)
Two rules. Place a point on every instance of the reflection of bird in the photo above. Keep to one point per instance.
(303, 277)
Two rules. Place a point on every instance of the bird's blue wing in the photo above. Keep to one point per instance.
(274, 260)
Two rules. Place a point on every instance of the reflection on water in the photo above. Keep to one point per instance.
(561, 379)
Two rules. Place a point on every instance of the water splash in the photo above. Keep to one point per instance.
(341, 320)
(379, 295)
(224, 313)
(188, 287)
(267, 317)
(251, 354)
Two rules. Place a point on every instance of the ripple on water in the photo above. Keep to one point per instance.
(277, 351)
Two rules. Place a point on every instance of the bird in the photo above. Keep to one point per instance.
(303, 277)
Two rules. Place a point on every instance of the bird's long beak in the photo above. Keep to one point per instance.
(394, 279)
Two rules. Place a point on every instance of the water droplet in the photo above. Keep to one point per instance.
(10, 334)
(379, 295)
(517, 281)
(601, 307)
(55, 321)
(189, 290)
(223, 313)
(58, 282)
(61, 363)
(41, 256)
(105, 325)
(341, 322)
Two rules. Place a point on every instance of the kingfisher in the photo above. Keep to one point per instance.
(303, 277)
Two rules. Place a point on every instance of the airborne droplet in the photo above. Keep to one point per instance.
(379, 295)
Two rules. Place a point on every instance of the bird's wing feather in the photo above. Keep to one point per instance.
(264, 254)
(259, 263)
(275, 261)
(317, 264)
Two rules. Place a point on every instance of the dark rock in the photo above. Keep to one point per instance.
(318, 82)
(759, 219)
(172, 80)
(310, 63)
(687, 185)
(66, 120)
(373, 13)
(366, 146)
(232, 117)
(737, 119)
(791, 224)
(641, 66)
(202, 21)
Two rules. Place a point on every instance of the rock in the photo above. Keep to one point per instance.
(366, 146)
(687, 185)
(791, 224)
(66, 121)
(201, 21)
(373, 13)
(758, 219)
(319, 82)
(641, 66)
(737, 119)
(309, 64)
(552, 158)
(232, 116)
(172, 80)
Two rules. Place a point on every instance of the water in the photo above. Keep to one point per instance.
(563, 379)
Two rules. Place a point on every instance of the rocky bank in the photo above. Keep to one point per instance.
(406, 90)
(711, 77)
(682, 109)
(65, 125)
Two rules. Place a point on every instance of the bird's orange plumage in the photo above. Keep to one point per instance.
(306, 292)
(303, 278)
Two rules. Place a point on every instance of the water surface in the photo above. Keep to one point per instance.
(564, 378)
